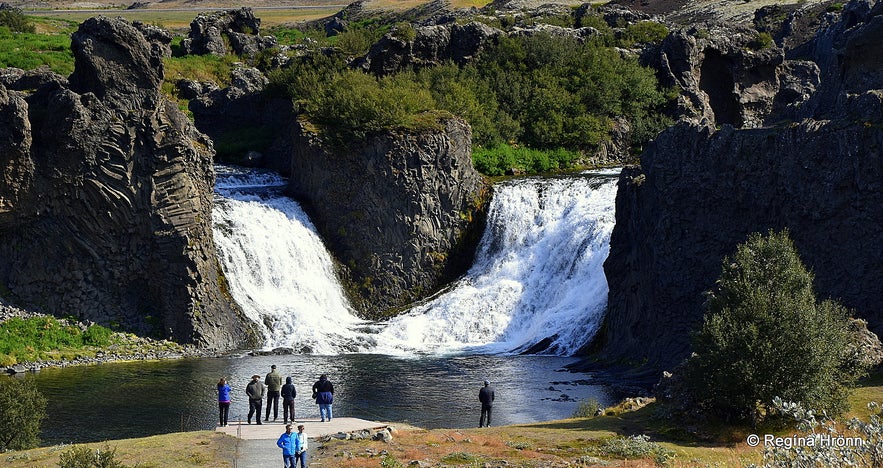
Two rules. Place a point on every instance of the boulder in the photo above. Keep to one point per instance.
(432, 45)
(241, 27)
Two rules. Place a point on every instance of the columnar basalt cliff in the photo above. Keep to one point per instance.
(395, 209)
(700, 191)
(105, 205)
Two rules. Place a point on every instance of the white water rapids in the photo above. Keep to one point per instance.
(538, 273)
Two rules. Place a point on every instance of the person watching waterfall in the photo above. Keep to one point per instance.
(323, 392)
(486, 397)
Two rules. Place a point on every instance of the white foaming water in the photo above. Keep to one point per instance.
(538, 273)
(278, 270)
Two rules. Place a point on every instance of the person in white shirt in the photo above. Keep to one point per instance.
(300, 447)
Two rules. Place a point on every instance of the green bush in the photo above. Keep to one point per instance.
(22, 409)
(765, 335)
(16, 21)
(96, 335)
(763, 40)
(587, 409)
(647, 32)
(83, 457)
(634, 447)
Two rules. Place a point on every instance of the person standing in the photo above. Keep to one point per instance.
(273, 381)
(288, 443)
(300, 451)
(323, 392)
(486, 397)
(255, 391)
(288, 394)
(223, 401)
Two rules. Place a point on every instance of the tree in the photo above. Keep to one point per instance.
(765, 335)
(22, 409)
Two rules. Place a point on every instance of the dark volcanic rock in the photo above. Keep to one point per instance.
(394, 209)
(210, 33)
(106, 213)
(700, 191)
(723, 78)
(432, 46)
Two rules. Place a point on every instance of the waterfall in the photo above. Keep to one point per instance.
(537, 282)
(278, 270)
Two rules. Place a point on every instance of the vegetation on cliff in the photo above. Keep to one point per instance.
(543, 92)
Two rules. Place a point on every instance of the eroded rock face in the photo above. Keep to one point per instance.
(701, 191)
(395, 209)
(240, 28)
(433, 45)
(107, 213)
(725, 79)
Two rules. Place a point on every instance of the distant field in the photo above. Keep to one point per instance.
(177, 21)
(177, 16)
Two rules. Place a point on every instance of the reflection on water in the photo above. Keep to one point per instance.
(123, 400)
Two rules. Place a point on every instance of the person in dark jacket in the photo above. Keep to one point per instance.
(255, 391)
(273, 381)
(323, 392)
(486, 397)
(223, 401)
(288, 394)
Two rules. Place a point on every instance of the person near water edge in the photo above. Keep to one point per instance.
(323, 392)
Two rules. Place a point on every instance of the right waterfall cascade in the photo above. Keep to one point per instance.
(537, 281)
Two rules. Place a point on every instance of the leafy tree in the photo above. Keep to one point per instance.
(765, 335)
(22, 409)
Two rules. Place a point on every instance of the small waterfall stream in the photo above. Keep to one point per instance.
(538, 274)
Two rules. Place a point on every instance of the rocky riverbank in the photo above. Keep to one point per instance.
(125, 347)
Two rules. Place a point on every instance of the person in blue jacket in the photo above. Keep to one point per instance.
(223, 401)
(288, 443)
(323, 392)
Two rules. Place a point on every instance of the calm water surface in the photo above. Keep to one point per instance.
(123, 400)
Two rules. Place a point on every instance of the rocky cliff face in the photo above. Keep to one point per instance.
(395, 209)
(701, 190)
(105, 206)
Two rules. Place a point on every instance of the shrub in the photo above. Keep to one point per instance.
(16, 21)
(765, 335)
(647, 32)
(587, 409)
(763, 40)
(637, 446)
(22, 409)
(96, 335)
(83, 457)
(863, 440)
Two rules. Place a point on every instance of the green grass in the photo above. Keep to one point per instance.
(499, 159)
(32, 50)
(41, 338)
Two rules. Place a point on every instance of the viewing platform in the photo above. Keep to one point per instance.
(312, 427)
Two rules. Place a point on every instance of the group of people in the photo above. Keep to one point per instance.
(273, 389)
(294, 445)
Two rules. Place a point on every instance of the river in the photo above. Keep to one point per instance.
(139, 399)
